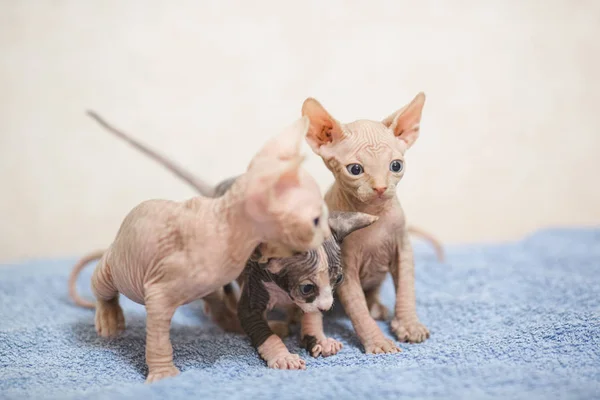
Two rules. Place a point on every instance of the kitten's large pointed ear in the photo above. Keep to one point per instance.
(287, 144)
(269, 255)
(268, 183)
(343, 223)
(287, 176)
(405, 122)
(323, 128)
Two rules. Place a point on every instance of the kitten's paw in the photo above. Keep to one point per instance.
(379, 312)
(109, 319)
(161, 373)
(411, 332)
(381, 346)
(327, 347)
(287, 361)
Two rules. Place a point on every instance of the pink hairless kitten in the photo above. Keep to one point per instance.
(305, 281)
(169, 253)
(367, 160)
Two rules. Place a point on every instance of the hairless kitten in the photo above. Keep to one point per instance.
(367, 161)
(306, 280)
(168, 253)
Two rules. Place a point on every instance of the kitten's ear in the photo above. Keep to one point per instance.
(268, 251)
(288, 176)
(274, 178)
(343, 223)
(287, 144)
(323, 128)
(274, 266)
(405, 122)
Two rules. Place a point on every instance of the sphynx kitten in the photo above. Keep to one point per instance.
(306, 280)
(167, 254)
(367, 161)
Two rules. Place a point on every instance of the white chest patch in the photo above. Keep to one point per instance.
(276, 296)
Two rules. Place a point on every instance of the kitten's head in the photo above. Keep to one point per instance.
(310, 278)
(366, 157)
(282, 199)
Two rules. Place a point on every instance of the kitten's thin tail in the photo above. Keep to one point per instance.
(437, 245)
(80, 301)
(203, 188)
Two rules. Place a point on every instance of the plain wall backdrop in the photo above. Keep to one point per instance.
(510, 137)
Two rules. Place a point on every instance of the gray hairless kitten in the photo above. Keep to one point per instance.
(306, 280)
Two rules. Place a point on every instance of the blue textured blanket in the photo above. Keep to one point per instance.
(508, 321)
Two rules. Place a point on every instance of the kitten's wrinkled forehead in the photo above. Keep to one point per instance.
(366, 130)
(369, 138)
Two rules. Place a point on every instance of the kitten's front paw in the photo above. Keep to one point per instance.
(161, 373)
(327, 347)
(411, 332)
(287, 361)
(381, 345)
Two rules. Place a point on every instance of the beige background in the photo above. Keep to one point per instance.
(510, 137)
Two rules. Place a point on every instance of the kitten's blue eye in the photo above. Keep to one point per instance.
(355, 169)
(396, 166)
(339, 279)
(307, 289)
(316, 221)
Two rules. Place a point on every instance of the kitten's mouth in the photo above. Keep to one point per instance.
(377, 197)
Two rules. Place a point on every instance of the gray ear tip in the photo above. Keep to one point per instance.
(369, 218)
(344, 223)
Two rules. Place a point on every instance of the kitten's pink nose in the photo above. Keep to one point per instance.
(380, 190)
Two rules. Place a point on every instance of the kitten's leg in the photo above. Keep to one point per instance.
(376, 308)
(254, 322)
(109, 319)
(314, 339)
(231, 297)
(293, 315)
(216, 305)
(159, 352)
(353, 299)
(406, 324)
(280, 328)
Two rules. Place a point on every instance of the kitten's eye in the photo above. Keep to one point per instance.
(355, 169)
(339, 279)
(307, 289)
(396, 166)
(316, 221)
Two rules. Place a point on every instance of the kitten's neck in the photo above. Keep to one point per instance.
(340, 199)
(232, 224)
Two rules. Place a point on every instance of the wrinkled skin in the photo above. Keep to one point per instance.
(369, 254)
(169, 253)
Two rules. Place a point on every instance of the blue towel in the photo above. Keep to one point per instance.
(508, 321)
